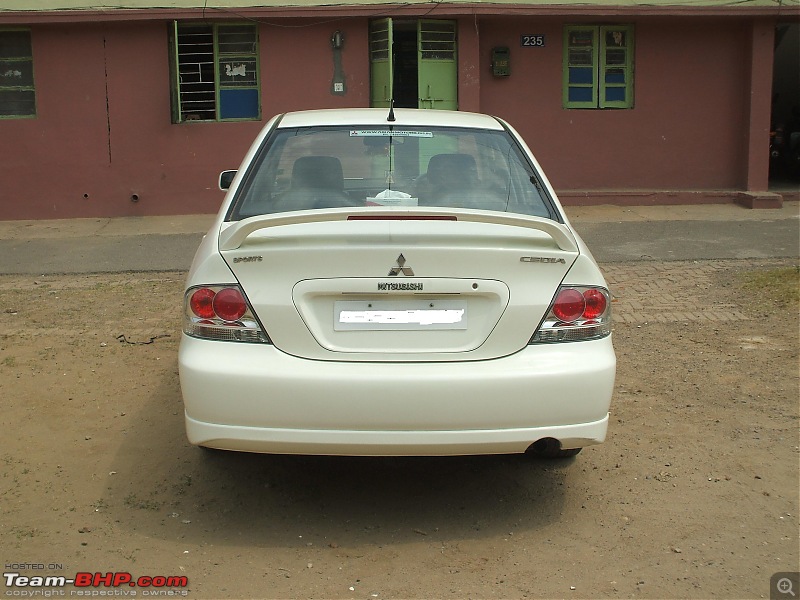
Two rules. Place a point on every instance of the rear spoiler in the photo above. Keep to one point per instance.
(235, 235)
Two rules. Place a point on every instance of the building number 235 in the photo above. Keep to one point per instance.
(532, 40)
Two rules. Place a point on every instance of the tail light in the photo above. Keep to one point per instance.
(220, 312)
(577, 313)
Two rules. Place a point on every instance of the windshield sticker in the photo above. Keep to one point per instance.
(387, 133)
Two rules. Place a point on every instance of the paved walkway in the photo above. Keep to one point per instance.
(614, 234)
(657, 260)
(673, 292)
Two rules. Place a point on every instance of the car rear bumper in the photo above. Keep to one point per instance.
(255, 398)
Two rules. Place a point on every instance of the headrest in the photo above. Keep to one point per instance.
(321, 172)
(452, 169)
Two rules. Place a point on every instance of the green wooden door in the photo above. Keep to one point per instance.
(438, 65)
(436, 61)
(380, 63)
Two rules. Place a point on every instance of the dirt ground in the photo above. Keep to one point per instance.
(694, 495)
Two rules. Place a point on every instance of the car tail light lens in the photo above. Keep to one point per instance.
(220, 312)
(202, 303)
(229, 304)
(596, 303)
(577, 313)
(569, 305)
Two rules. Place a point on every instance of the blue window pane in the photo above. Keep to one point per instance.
(581, 75)
(238, 104)
(615, 76)
(580, 94)
(615, 94)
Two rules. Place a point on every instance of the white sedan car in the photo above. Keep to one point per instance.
(394, 283)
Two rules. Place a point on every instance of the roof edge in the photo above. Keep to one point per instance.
(308, 8)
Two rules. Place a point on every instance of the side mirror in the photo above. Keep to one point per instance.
(225, 179)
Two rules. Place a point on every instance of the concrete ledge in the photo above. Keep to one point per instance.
(789, 195)
(670, 198)
(759, 200)
(645, 197)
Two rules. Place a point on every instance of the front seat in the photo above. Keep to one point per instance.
(452, 180)
(452, 171)
(317, 182)
(447, 176)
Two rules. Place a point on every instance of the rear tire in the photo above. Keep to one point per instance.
(551, 448)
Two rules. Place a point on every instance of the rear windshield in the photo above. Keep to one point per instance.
(333, 167)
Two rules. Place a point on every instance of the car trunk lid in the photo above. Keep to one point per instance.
(416, 285)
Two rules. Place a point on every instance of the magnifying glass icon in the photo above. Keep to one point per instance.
(784, 586)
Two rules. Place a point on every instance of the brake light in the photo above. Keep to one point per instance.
(401, 218)
(577, 313)
(220, 312)
(202, 303)
(596, 304)
(569, 305)
(229, 304)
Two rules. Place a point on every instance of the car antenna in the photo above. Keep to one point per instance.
(391, 111)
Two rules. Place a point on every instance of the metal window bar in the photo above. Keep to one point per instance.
(196, 80)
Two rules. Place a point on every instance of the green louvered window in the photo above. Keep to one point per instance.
(17, 93)
(214, 72)
(598, 66)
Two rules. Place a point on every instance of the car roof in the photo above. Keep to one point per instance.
(378, 116)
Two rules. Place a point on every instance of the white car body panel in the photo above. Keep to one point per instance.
(322, 407)
(469, 384)
(449, 260)
(234, 235)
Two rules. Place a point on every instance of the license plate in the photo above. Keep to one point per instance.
(400, 315)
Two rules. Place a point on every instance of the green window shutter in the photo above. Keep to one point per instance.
(580, 67)
(616, 67)
(381, 63)
(598, 66)
(17, 91)
(215, 72)
(174, 79)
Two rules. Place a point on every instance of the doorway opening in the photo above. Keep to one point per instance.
(784, 166)
(414, 63)
(406, 67)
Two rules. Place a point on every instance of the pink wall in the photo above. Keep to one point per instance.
(103, 133)
(685, 131)
(297, 66)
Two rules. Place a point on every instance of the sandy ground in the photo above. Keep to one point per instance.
(694, 495)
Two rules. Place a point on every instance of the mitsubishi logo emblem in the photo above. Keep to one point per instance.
(401, 268)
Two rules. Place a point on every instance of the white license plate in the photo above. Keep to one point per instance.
(401, 315)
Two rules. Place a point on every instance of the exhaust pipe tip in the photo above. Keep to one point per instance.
(550, 448)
